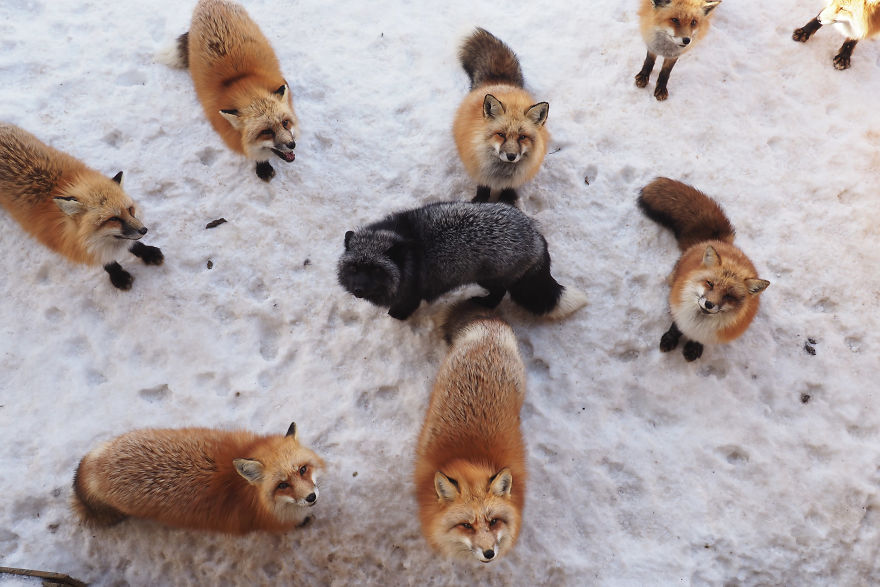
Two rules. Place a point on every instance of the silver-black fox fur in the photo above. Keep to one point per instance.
(423, 253)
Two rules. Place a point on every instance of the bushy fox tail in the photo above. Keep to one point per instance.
(690, 214)
(487, 60)
(91, 510)
(463, 314)
(176, 55)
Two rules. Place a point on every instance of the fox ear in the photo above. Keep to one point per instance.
(710, 6)
(292, 430)
(447, 489)
(501, 483)
(282, 91)
(69, 206)
(710, 257)
(348, 235)
(118, 178)
(249, 469)
(232, 117)
(538, 113)
(756, 286)
(492, 106)
(661, 3)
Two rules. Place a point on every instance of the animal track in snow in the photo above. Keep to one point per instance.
(208, 155)
(155, 394)
(734, 454)
(131, 78)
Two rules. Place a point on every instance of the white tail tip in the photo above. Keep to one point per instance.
(170, 56)
(569, 302)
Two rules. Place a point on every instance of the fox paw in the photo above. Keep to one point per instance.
(692, 351)
(641, 80)
(800, 35)
(661, 93)
(265, 171)
(670, 338)
(841, 62)
(149, 255)
(119, 277)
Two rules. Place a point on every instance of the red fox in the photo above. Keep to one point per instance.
(70, 208)
(499, 129)
(715, 288)
(239, 83)
(855, 19)
(470, 465)
(199, 478)
(670, 28)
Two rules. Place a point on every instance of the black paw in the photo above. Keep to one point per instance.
(661, 93)
(642, 79)
(801, 35)
(508, 196)
(400, 313)
(265, 171)
(842, 62)
(670, 338)
(119, 277)
(149, 255)
(483, 194)
(308, 520)
(692, 351)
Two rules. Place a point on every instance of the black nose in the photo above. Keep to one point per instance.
(291, 145)
(311, 498)
(489, 553)
(511, 156)
(358, 291)
(143, 230)
(686, 40)
(709, 305)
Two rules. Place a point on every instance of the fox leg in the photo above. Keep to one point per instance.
(669, 340)
(496, 294)
(119, 277)
(645, 73)
(660, 91)
(508, 196)
(483, 193)
(803, 34)
(841, 61)
(149, 255)
(692, 350)
(265, 171)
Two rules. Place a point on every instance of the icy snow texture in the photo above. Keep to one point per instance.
(644, 469)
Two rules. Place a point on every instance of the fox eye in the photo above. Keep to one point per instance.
(304, 469)
(522, 137)
(267, 132)
(283, 485)
(115, 219)
(500, 134)
(493, 522)
(131, 210)
(675, 21)
(694, 22)
(466, 526)
(709, 284)
(285, 123)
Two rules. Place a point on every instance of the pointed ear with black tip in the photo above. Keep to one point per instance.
(710, 6)
(446, 488)
(756, 286)
(348, 235)
(538, 113)
(69, 206)
(118, 178)
(291, 431)
(281, 91)
(492, 106)
(232, 117)
(711, 257)
(249, 469)
(661, 3)
(501, 483)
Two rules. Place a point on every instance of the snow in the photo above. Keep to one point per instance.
(757, 464)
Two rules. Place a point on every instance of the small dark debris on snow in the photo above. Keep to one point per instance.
(805, 397)
(811, 350)
(209, 264)
(215, 223)
(587, 179)
(811, 340)
(355, 474)
(307, 262)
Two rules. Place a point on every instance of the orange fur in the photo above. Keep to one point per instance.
(70, 208)
(855, 19)
(472, 435)
(196, 478)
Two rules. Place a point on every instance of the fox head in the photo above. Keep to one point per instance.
(103, 214)
(718, 290)
(682, 21)
(475, 515)
(847, 16)
(513, 133)
(285, 474)
(370, 267)
(267, 125)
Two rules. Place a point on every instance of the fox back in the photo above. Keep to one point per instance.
(199, 478)
(855, 19)
(238, 80)
(499, 128)
(470, 465)
(70, 208)
(671, 27)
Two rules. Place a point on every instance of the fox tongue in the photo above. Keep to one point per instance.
(289, 156)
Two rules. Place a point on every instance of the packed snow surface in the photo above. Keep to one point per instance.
(756, 464)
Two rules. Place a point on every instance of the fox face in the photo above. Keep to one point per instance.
(677, 23)
(478, 518)
(512, 135)
(104, 215)
(267, 125)
(370, 266)
(286, 477)
(847, 16)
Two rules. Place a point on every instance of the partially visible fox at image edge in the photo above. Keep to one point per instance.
(670, 28)
(714, 287)
(854, 19)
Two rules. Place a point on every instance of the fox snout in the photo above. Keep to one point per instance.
(708, 306)
(132, 229)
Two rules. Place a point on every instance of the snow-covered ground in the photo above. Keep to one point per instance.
(757, 464)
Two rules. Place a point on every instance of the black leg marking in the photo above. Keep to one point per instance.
(482, 194)
(265, 171)
(692, 351)
(403, 308)
(645, 73)
(306, 521)
(841, 61)
(496, 294)
(660, 92)
(149, 255)
(803, 34)
(119, 277)
(508, 196)
(669, 340)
